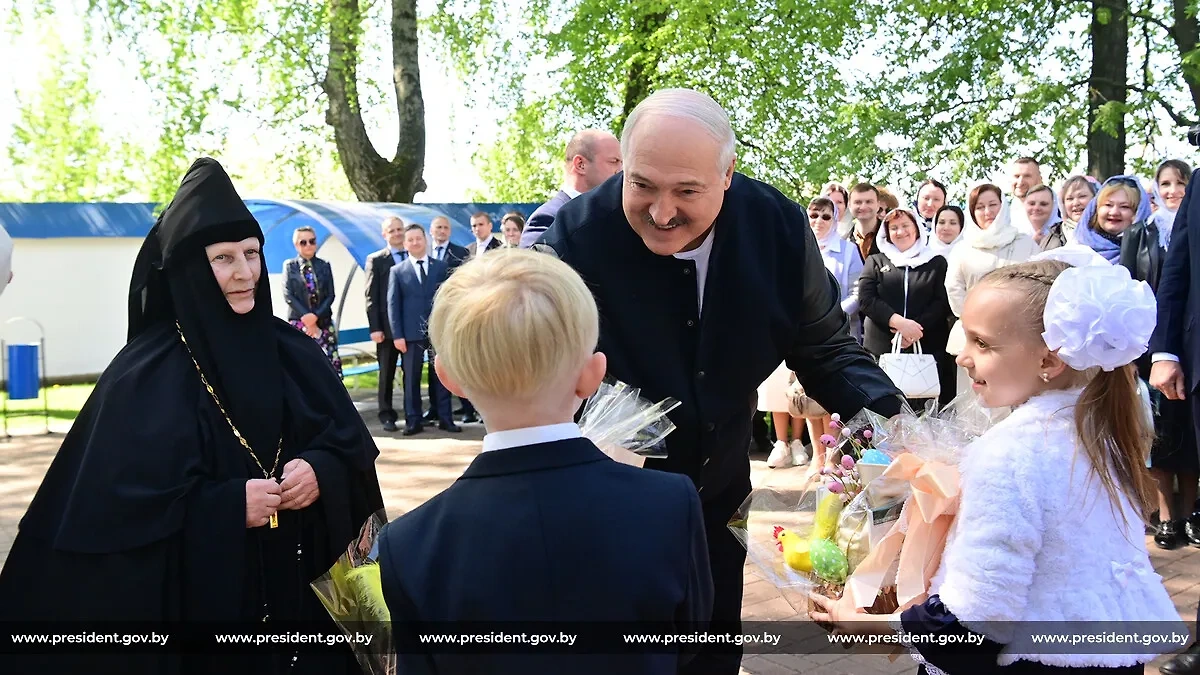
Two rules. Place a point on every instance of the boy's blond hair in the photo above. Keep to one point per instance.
(512, 322)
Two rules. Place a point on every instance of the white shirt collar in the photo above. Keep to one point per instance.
(515, 438)
(700, 255)
(485, 243)
(571, 192)
(422, 259)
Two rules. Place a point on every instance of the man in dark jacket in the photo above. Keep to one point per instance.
(593, 156)
(705, 281)
(1175, 346)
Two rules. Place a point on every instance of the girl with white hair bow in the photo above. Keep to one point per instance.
(1056, 344)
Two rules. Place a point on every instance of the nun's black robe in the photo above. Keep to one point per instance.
(142, 514)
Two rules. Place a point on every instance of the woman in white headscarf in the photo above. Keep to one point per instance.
(947, 230)
(840, 196)
(990, 241)
(931, 197)
(902, 292)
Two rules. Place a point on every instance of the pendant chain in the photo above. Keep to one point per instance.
(241, 439)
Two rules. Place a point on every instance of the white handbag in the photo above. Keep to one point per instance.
(915, 375)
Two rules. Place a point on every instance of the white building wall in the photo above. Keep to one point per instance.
(77, 289)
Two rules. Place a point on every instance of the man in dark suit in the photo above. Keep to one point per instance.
(441, 248)
(413, 284)
(379, 267)
(1175, 347)
(706, 280)
(481, 226)
(593, 156)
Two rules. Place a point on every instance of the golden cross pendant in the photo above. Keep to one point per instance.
(274, 520)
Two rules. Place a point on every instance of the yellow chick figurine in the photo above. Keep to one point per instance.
(794, 548)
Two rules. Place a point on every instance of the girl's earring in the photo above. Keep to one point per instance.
(1046, 378)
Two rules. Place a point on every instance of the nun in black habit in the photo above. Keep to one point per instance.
(154, 508)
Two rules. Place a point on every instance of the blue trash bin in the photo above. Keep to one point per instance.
(23, 382)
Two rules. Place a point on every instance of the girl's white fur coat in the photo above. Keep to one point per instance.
(1037, 539)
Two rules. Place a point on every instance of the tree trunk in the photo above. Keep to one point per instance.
(644, 64)
(373, 178)
(1185, 33)
(1108, 83)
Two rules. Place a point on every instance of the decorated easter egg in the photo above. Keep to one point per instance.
(874, 456)
(826, 520)
(828, 561)
(796, 552)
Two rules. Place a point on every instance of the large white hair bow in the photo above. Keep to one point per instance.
(1099, 316)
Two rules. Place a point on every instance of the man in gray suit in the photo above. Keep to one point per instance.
(593, 156)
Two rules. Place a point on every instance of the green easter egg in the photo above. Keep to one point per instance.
(828, 561)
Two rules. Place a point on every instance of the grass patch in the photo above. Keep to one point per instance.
(64, 402)
(370, 381)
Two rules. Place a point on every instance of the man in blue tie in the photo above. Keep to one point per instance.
(411, 288)
(378, 268)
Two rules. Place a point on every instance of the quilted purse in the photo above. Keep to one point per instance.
(801, 404)
(915, 375)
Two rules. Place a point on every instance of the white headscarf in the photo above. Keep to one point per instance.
(830, 236)
(1001, 233)
(918, 254)
(936, 245)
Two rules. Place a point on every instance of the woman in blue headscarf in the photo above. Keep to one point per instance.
(1173, 455)
(1120, 204)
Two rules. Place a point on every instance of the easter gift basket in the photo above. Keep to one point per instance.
(818, 536)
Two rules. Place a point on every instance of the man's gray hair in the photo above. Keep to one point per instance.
(583, 144)
(686, 104)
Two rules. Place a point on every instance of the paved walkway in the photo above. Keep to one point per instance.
(413, 469)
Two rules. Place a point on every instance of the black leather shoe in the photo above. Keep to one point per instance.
(389, 426)
(472, 418)
(412, 431)
(430, 417)
(1187, 663)
(1191, 529)
(451, 427)
(1168, 535)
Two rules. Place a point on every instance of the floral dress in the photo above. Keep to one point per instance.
(326, 338)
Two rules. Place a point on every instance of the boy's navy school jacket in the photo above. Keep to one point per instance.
(535, 537)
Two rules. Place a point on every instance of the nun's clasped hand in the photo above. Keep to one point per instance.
(299, 486)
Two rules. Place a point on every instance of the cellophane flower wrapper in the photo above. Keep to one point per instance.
(777, 525)
(623, 424)
(352, 593)
(810, 538)
(934, 439)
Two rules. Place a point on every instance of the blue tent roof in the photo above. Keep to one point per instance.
(355, 224)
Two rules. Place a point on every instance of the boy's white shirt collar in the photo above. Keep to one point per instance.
(515, 438)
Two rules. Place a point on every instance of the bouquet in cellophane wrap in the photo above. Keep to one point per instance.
(817, 536)
(625, 426)
(352, 593)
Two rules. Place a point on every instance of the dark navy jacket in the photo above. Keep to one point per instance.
(1178, 292)
(542, 218)
(767, 298)
(542, 535)
(409, 301)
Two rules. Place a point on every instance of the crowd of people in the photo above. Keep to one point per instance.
(250, 471)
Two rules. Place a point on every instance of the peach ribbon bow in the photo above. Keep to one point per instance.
(927, 515)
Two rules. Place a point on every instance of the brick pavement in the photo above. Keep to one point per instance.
(412, 470)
